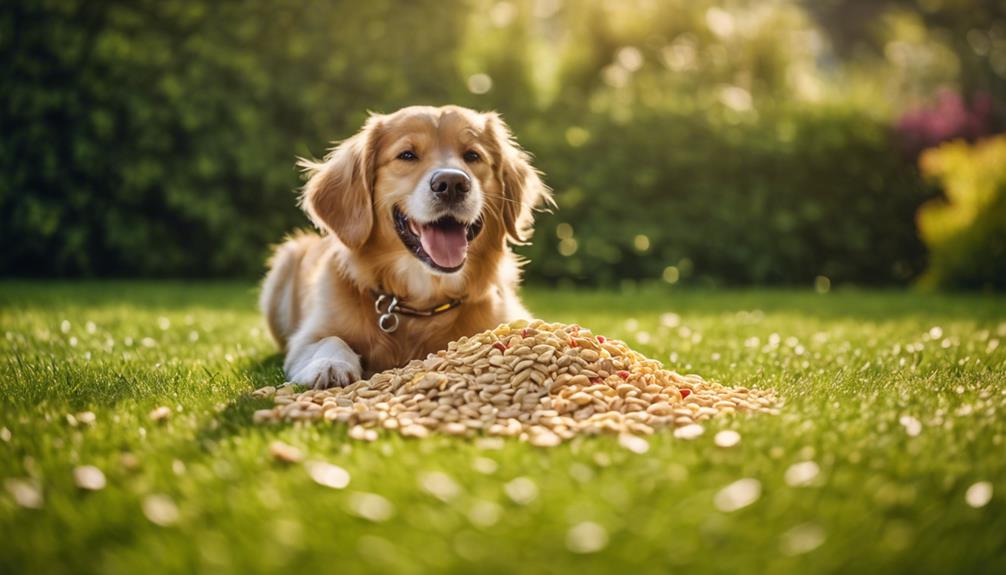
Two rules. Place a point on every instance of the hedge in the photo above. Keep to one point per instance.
(149, 138)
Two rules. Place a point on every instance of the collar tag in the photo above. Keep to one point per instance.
(387, 319)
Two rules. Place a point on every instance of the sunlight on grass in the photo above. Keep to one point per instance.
(886, 456)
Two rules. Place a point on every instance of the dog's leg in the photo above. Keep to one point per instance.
(324, 363)
(280, 297)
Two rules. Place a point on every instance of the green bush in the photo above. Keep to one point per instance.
(158, 138)
(966, 229)
(802, 193)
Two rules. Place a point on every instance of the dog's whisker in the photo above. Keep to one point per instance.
(504, 198)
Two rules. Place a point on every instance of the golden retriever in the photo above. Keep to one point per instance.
(417, 213)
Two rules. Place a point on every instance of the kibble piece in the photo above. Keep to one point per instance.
(267, 391)
(415, 430)
(545, 438)
(690, 431)
(727, 438)
(286, 453)
(89, 477)
(327, 474)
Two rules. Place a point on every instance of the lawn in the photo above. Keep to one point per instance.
(894, 420)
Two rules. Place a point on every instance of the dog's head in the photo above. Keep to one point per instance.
(426, 191)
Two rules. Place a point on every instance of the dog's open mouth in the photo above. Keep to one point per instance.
(441, 244)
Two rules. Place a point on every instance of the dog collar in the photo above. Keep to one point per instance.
(389, 309)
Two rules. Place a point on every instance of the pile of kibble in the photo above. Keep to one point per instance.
(541, 382)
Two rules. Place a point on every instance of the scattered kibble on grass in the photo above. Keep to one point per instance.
(587, 537)
(327, 474)
(361, 433)
(89, 477)
(801, 539)
(800, 474)
(160, 510)
(738, 495)
(521, 490)
(690, 431)
(86, 417)
(727, 438)
(285, 453)
(484, 465)
(633, 443)
(979, 494)
(840, 476)
(370, 506)
(26, 492)
(484, 513)
(439, 485)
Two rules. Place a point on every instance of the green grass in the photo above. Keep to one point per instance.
(850, 366)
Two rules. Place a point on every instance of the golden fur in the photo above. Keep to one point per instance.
(321, 287)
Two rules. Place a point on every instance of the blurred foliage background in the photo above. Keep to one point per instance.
(688, 141)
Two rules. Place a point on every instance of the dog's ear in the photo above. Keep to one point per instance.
(523, 190)
(338, 196)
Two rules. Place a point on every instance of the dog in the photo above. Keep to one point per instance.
(417, 214)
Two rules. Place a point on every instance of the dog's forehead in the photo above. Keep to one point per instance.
(446, 126)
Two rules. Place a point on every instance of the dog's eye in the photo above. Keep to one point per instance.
(472, 156)
(408, 156)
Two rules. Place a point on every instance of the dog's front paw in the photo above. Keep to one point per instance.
(326, 372)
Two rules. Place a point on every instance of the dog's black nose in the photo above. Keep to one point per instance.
(450, 186)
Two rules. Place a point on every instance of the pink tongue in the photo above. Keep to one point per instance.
(446, 245)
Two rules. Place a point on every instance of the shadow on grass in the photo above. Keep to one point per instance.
(236, 416)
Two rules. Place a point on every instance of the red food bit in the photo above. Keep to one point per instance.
(601, 339)
(596, 380)
(572, 342)
(685, 392)
(523, 332)
(623, 374)
(499, 346)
